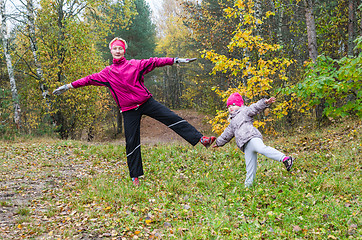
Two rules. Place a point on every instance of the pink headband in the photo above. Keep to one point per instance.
(119, 43)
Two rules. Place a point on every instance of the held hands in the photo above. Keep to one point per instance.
(183, 60)
(270, 100)
(62, 89)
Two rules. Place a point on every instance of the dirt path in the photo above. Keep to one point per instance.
(28, 170)
(153, 132)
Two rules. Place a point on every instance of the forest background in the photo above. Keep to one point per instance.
(307, 53)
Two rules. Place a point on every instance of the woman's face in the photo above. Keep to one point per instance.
(117, 52)
(233, 108)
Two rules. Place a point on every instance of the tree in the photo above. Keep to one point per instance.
(208, 29)
(334, 80)
(67, 32)
(30, 17)
(5, 43)
(173, 43)
(141, 34)
(351, 25)
(256, 69)
(311, 29)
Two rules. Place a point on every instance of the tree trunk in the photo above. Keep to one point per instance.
(165, 85)
(14, 91)
(351, 22)
(119, 122)
(34, 49)
(311, 30)
(280, 26)
(66, 126)
(312, 49)
(61, 37)
(257, 14)
(175, 86)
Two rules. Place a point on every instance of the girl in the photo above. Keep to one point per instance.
(247, 137)
(125, 80)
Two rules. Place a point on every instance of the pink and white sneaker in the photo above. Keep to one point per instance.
(288, 163)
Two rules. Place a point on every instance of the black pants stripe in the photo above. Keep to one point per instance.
(154, 109)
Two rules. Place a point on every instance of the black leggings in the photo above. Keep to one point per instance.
(154, 109)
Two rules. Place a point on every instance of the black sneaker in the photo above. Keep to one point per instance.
(288, 162)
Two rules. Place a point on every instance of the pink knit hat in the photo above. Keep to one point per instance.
(235, 99)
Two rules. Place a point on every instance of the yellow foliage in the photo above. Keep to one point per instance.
(220, 122)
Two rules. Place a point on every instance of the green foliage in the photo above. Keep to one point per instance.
(338, 82)
(139, 32)
(141, 35)
(330, 16)
(84, 190)
(8, 130)
(5, 110)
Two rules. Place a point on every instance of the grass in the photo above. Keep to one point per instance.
(191, 192)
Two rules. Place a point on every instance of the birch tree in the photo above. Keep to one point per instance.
(5, 42)
(34, 48)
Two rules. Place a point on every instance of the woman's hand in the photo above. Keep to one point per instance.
(62, 89)
(183, 60)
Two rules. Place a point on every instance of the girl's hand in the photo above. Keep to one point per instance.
(215, 146)
(270, 100)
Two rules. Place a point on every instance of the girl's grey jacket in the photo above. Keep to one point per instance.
(241, 125)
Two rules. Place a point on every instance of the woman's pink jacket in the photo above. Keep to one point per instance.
(125, 80)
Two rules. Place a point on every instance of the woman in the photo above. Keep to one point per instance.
(125, 80)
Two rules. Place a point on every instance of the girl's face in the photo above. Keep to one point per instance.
(233, 108)
(117, 52)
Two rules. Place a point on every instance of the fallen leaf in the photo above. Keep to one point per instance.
(187, 207)
(296, 228)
